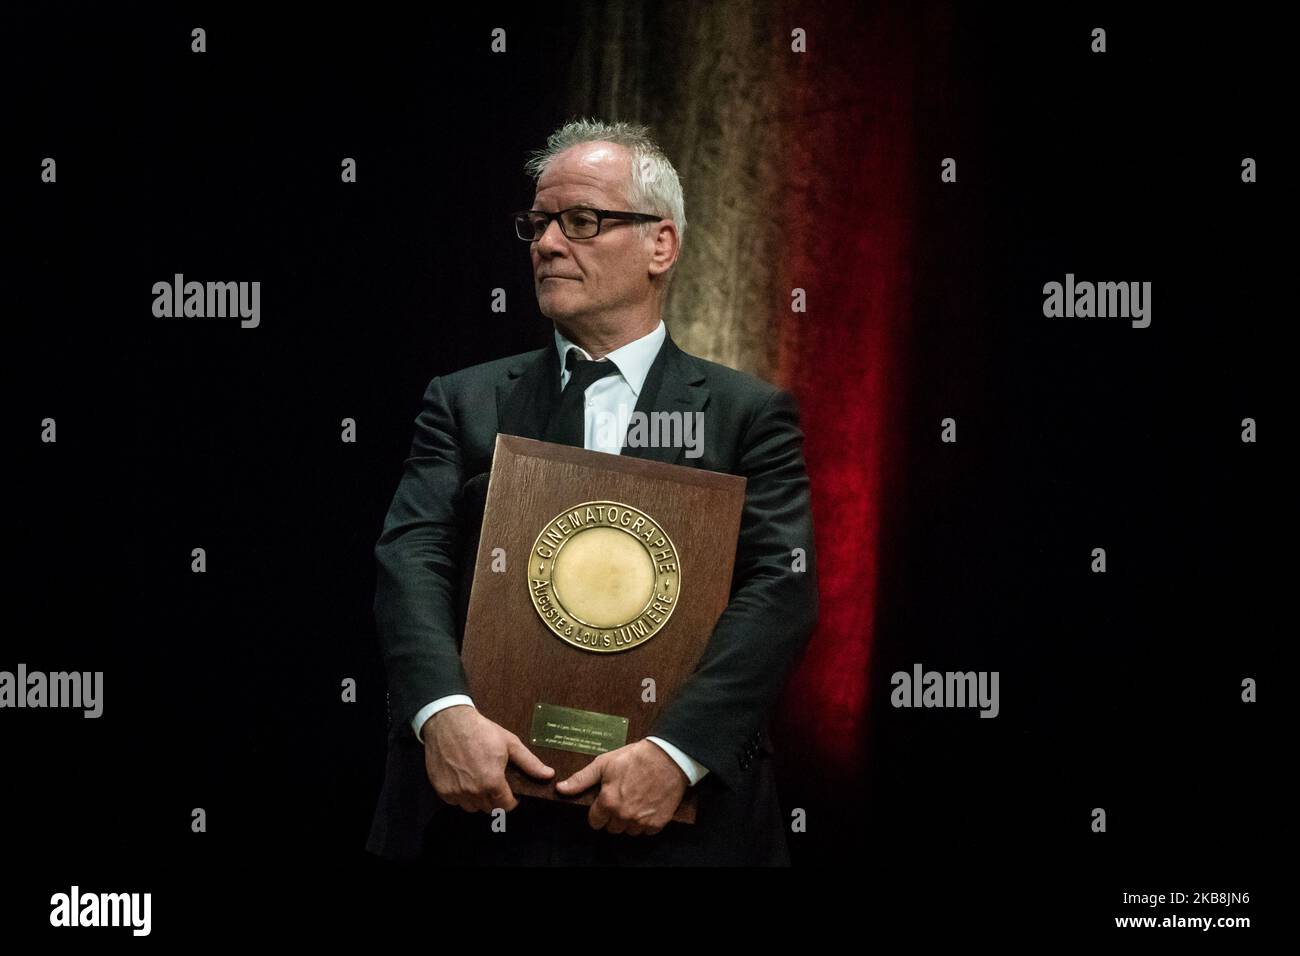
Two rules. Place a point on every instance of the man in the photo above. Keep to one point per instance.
(605, 231)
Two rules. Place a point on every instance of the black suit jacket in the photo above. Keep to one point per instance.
(718, 716)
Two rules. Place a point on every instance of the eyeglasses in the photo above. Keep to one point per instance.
(576, 222)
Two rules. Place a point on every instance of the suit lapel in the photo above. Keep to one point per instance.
(530, 393)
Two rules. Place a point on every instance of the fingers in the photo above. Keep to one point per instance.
(501, 796)
(485, 802)
(469, 802)
(630, 827)
(473, 795)
(603, 816)
(526, 760)
(473, 778)
(599, 815)
(588, 776)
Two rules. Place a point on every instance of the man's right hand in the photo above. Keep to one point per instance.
(465, 756)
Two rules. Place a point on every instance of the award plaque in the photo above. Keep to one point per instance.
(598, 581)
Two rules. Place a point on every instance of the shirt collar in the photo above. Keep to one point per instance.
(633, 360)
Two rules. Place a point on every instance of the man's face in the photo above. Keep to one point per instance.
(580, 279)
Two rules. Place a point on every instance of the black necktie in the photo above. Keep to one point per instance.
(567, 425)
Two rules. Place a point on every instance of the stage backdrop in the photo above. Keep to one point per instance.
(798, 157)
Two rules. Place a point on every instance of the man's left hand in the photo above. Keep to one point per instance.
(640, 788)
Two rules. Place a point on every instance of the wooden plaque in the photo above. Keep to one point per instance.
(616, 570)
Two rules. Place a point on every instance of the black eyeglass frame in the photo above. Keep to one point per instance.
(601, 216)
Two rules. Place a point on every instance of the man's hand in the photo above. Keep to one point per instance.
(640, 788)
(465, 756)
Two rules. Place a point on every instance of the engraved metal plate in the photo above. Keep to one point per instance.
(581, 731)
(604, 576)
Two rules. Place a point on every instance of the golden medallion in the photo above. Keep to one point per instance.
(604, 576)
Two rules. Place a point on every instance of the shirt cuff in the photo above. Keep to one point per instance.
(694, 772)
(428, 710)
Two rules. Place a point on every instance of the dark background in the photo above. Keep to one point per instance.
(1119, 691)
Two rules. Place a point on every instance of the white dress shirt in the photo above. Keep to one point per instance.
(610, 402)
